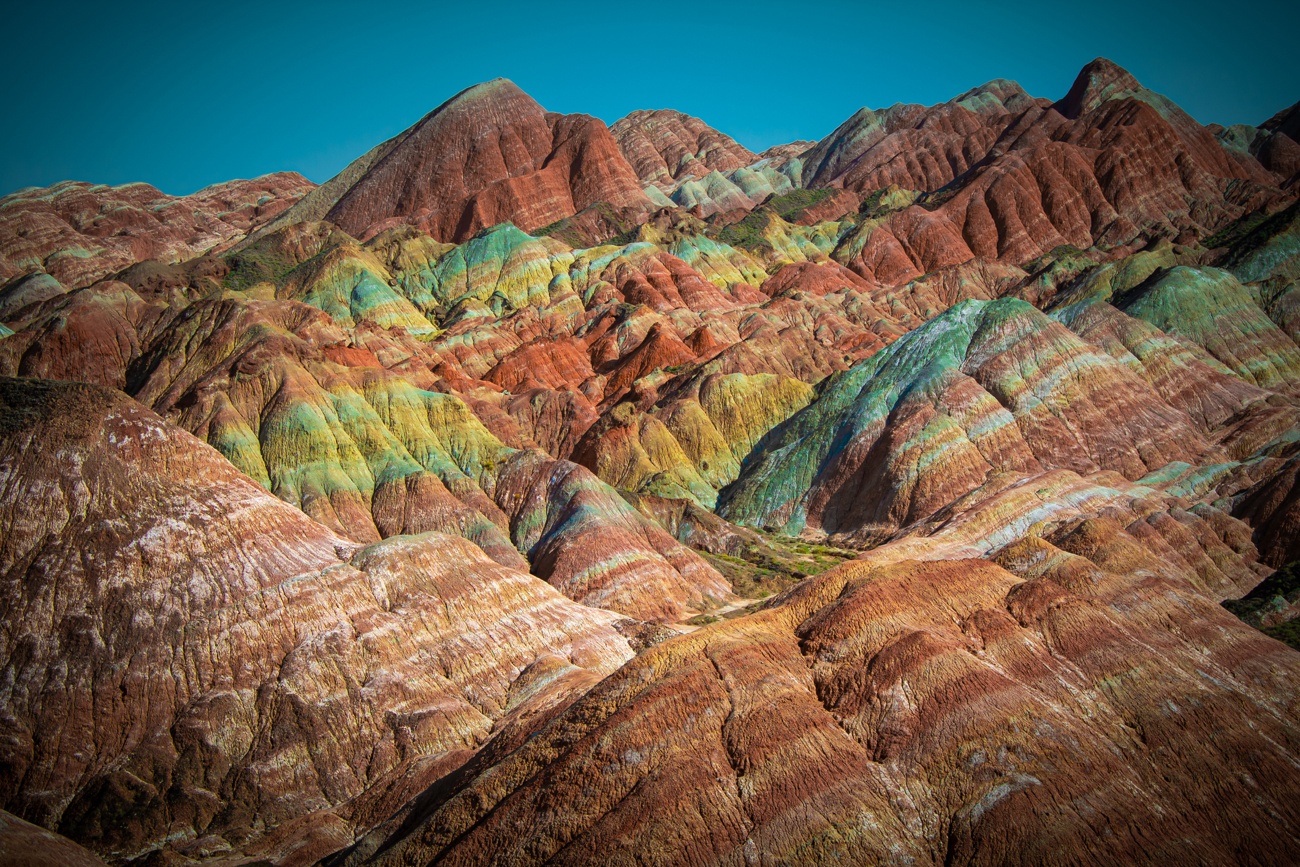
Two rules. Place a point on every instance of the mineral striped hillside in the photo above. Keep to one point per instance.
(536, 491)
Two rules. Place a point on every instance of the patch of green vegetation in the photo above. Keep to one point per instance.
(254, 265)
(1056, 254)
(789, 205)
(1274, 592)
(1284, 582)
(1236, 231)
(1287, 633)
(702, 620)
(937, 199)
(871, 203)
(550, 227)
(622, 232)
(1259, 234)
(775, 563)
(622, 239)
(748, 233)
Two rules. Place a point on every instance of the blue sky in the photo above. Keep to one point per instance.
(183, 95)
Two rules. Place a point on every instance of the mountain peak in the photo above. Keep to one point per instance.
(487, 155)
(1000, 94)
(499, 95)
(1097, 82)
(492, 88)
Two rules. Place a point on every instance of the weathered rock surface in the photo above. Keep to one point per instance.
(987, 388)
(666, 146)
(280, 389)
(1009, 177)
(187, 660)
(23, 844)
(944, 712)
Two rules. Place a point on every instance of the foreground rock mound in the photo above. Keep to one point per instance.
(187, 660)
(948, 712)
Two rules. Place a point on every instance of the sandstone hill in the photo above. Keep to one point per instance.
(540, 492)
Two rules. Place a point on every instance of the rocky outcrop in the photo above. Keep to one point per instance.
(665, 146)
(682, 162)
(1009, 177)
(987, 388)
(914, 147)
(368, 452)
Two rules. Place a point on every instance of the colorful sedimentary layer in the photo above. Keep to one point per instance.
(985, 389)
(305, 675)
(944, 712)
(433, 515)
(666, 146)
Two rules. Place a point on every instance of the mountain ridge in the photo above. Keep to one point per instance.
(536, 490)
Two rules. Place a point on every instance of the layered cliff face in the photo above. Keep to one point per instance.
(357, 504)
(987, 390)
(667, 146)
(683, 162)
(1008, 177)
(301, 401)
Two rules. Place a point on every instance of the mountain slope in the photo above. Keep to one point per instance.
(488, 154)
(227, 666)
(946, 712)
(79, 233)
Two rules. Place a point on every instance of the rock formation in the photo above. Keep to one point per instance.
(942, 712)
(534, 491)
(78, 233)
(487, 155)
(232, 673)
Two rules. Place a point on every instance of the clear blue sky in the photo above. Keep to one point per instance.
(186, 94)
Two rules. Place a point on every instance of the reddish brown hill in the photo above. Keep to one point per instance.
(947, 712)
(79, 233)
(214, 669)
(915, 147)
(665, 146)
(488, 155)
(1011, 177)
